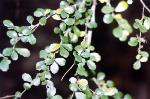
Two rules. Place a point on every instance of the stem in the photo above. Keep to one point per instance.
(140, 36)
(145, 6)
(8, 96)
(67, 71)
(89, 34)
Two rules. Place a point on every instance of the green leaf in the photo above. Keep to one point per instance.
(110, 83)
(77, 15)
(76, 30)
(138, 25)
(39, 12)
(79, 49)
(98, 92)
(73, 37)
(100, 76)
(60, 61)
(144, 54)
(26, 31)
(70, 1)
(12, 34)
(91, 25)
(81, 71)
(69, 9)
(27, 86)
(95, 57)
(137, 65)
(43, 21)
(107, 9)
(26, 77)
(68, 47)
(8, 23)
(104, 97)
(48, 11)
(51, 91)
(80, 95)
(118, 32)
(30, 19)
(56, 17)
(82, 9)
(23, 51)
(127, 96)
(14, 55)
(147, 23)
(43, 54)
(124, 24)
(122, 6)
(64, 14)
(85, 54)
(18, 94)
(78, 58)
(13, 41)
(36, 81)
(54, 68)
(133, 41)
(56, 97)
(48, 61)
(31, 39)
(91, 65)
(130, 1)
(40, 66)
(53, 47)
(4, 64)
(56, 30)
(69, 21)
(95, 97)
(73, 87)
(63, 4)
(73, 80)
(7, 51)
(108, 18)
(64, 52)
(118, 95)
(62, 26)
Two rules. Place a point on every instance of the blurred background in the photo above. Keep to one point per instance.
(117, 57)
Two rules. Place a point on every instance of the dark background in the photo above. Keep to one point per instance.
(117, 57)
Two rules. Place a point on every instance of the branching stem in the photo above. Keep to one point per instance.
(145, 6)
(8, 96)
(89, 34)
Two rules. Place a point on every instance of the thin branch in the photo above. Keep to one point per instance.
(89, 34)
(145, 6)
(8, 96)
(67, 71)
(140, 36)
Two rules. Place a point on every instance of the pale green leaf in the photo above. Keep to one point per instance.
(4, 64)
(54, 68)
(60, 61)
(80, 95)
(26, 77)
(23, 51)
(91, 65)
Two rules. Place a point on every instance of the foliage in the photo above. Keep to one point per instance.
(76, 41)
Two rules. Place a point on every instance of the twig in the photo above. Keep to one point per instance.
(8, 96)
(67, 71)
(89, 34)
(145, 6)
(140, 36)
